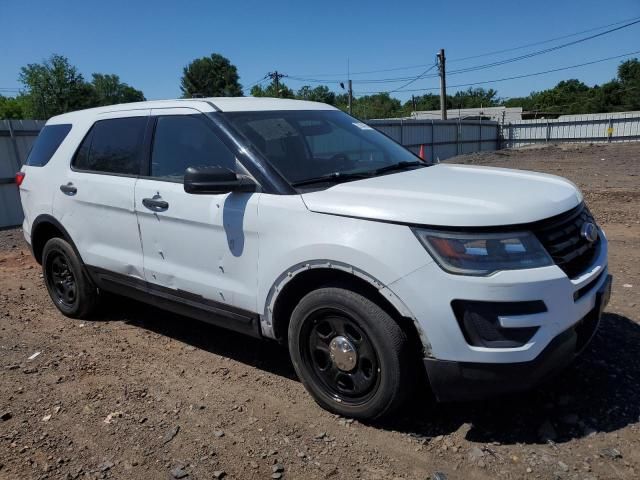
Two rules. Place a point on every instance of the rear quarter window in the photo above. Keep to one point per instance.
(46, 144)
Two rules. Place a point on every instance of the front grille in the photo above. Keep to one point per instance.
(562, 239)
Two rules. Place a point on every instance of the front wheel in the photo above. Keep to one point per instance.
(351, 356)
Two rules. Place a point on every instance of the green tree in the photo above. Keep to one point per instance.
(380, 105)
(14, 107)
(568, 96)
(317, 94)
(110, 90)
(523, 102)
(629, 77)
(55, 86)
(573, 96)
(212, 76)
(473, 98)
(270, 91)
(428, 101)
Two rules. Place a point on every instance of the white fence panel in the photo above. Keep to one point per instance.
(590, 128)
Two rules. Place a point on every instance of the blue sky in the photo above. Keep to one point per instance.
(148, 43)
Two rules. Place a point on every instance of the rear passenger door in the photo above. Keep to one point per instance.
(199, 248)
(95, 202)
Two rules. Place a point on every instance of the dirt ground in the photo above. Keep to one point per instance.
(142, 394)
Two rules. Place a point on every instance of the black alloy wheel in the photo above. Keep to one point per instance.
(350, 354)
(61, 280)
(341, 355)
(69, 286)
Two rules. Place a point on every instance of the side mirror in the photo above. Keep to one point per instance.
(215, 180)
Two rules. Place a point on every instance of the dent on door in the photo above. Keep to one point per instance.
(201, 244)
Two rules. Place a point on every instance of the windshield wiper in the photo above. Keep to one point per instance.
(398, 166)
(335, 177)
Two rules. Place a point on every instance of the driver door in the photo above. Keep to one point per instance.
(196, 247)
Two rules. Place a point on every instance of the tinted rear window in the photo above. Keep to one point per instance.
(112, 146)
(46, 144)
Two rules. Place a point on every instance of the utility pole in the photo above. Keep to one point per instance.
(349, 94)
(275, 76)
(443, 85)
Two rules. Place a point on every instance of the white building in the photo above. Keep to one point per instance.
(498, 114)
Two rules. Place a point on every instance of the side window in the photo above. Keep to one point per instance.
(182, 141)
(46, 144)
(112, 146)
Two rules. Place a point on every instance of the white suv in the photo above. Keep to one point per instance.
(292, 221)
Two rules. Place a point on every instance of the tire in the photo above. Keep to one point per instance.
(69, 287)
(373, 378)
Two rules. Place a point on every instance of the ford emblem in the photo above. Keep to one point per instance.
(589, 232)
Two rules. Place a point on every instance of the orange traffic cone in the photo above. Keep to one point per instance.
(421, 154)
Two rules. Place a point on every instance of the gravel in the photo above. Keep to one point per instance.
(132, 365)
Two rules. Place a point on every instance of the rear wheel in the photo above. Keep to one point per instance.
(69, 287)
(349, 353)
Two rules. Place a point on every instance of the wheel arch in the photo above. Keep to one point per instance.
(300, 279)
(44, 228)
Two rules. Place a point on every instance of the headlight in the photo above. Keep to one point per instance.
(483, 253)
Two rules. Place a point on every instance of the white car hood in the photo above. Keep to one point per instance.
(450, 195)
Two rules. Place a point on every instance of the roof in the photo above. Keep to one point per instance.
(210, 104)
(251, 104)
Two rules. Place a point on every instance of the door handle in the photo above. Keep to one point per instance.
(155, 204)
(68, 189)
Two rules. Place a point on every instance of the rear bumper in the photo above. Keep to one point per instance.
(459, 381)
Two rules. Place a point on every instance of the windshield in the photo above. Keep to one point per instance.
(323, 145)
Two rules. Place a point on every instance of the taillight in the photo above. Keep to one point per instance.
(19, 178)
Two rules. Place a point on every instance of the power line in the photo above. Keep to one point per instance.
(361, 81)
(257, 82)
(416, 78)
(540, 52)
(516, 76)
(476, 67)
(395, 69)
(541, 42)
(495, 52)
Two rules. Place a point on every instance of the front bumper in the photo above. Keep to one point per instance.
(458, 369)
(455, 381)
